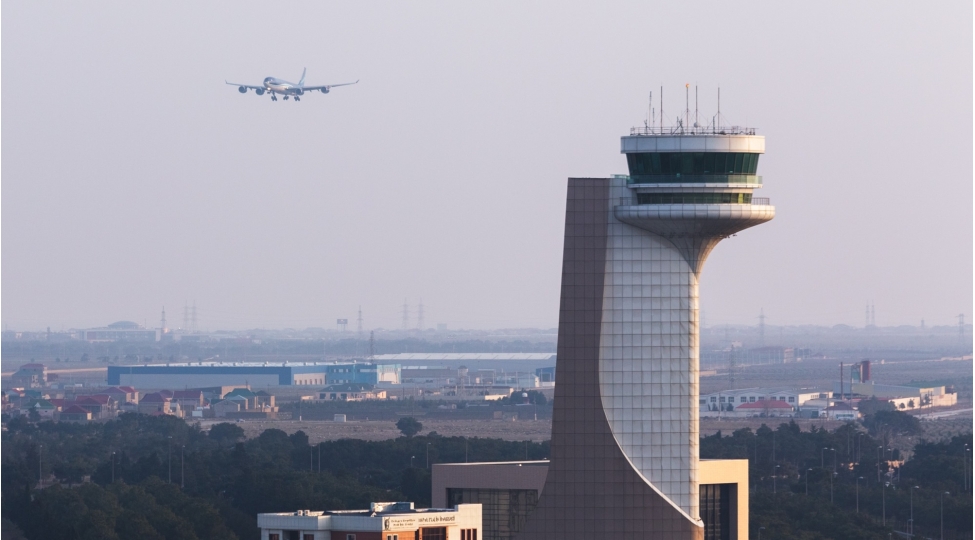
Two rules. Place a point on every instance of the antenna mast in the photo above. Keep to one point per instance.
(695, 107)
(687, 104)
(661, 110)
(719, 106)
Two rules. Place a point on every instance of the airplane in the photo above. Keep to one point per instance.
(276, 86)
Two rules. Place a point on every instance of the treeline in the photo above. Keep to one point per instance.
(162, 478)
(157, 477)
(810, 484)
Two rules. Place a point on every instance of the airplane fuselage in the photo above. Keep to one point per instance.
(280, 86)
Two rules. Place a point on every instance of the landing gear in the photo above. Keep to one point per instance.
(284, 98)
(273, 97)
(297, 98)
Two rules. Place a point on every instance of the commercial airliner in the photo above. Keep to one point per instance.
(287, 89)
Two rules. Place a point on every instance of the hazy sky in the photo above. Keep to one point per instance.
(133, 177)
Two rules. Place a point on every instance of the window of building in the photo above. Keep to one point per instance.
(433, 533)
(392, 537)
(350, 537)
(744, 399)
(468, 534)
(307, 536)
(274, 536)
(713, 399)
(695, 163)
(503, 511)
(751, 399)
(693, 198)
(716, 511)
(721, 399)
(761, 398)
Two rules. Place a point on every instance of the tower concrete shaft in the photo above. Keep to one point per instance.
(625, 431)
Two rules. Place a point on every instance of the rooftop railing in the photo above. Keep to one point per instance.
(699, 130)
(632, 201)
(694, 179)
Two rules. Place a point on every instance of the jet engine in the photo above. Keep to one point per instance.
(324, 90)
(260, 91)
(299, 91)
(242, 89)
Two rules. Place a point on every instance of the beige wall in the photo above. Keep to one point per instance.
(730, 471)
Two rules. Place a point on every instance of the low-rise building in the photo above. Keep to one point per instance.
(350, 392)
(508, 492)
(30, 376)
(382, 521)
(74, 413)
(729, 400)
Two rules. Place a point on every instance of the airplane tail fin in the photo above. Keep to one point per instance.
(302, 81)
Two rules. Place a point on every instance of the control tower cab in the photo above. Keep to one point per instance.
(693, 187)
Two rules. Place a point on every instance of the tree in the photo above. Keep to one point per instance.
(409, 426)
(225, 432)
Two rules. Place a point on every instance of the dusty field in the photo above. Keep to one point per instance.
(541, 430)
(371, 430)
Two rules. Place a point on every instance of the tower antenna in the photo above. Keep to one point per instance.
(695, 107)
(719, 106)
(651, 109)
(358, 327)
(661, 110)
(162, 324)
(687, 103)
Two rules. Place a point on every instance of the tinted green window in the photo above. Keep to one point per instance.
(694, 198)
(668, 163)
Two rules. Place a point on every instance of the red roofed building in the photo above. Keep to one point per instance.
(155, 402)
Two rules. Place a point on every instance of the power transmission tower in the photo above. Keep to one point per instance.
(961, 327)
(186, 317)
(761, 328)
(372, 343)
(358, 321)
(193, 317)
(162, 323)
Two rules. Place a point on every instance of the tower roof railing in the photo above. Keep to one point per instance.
(679, 130)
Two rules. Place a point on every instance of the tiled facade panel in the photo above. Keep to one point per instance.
(648, 362)
(592, 489)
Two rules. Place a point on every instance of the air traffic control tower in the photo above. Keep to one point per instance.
(625, 461)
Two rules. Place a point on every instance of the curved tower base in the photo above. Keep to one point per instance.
(624, 458)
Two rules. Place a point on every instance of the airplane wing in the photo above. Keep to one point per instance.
(325, 86)
(248, 86)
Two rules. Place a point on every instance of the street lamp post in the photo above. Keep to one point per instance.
(113, 467)
(40, 474)
(885, 502)
(859, 446)
(775, 475)
(910, 529)
(411, 461)
(822, 463)
(319, 458)
(807, 481)
(182, 477)
(878, 463)
(943, 514)
(831, 487)
(760, 529)
(858, 493)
